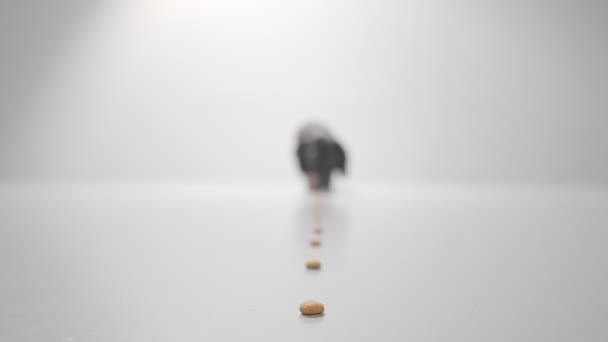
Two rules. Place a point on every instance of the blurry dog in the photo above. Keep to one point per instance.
(319, 154)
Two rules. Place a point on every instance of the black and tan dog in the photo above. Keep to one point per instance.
(319, 154)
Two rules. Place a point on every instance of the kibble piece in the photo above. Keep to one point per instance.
(311, 307)
(317, 229)
(313, 264)
(315, 242)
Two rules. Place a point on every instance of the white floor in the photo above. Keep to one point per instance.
(213, 263)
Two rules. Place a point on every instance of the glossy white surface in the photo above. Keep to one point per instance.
(212, 263)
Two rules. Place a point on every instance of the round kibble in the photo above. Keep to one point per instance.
(315, 242)
(311, 307)
(313, 264)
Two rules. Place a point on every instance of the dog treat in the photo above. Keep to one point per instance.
(311, 307)
(315, 242)
(313, 264)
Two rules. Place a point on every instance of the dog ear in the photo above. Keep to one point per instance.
(301, 158)
(340, 157)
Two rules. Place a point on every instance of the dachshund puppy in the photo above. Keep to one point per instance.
(319, 154)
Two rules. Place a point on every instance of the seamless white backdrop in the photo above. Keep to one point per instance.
(142, 136)
(418, 91)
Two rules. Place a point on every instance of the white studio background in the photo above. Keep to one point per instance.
(418, 91)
